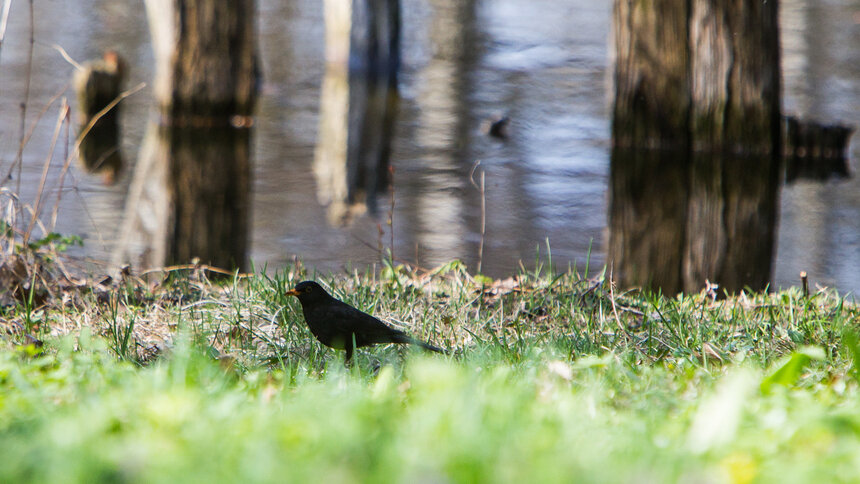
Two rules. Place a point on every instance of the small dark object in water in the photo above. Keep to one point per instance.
(98, 84)
(340, 326)
(497, 126)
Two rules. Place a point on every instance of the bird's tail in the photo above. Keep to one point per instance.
(402, 338)
(428, 346)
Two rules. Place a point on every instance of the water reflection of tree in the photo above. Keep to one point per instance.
(98, 85)
(189, 198)
(358, 106)
(677, 221)
(441, 203)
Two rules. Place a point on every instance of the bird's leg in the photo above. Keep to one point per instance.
(348, 360)
(349, 346)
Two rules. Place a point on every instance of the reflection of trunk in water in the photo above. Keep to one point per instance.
(647, 209)
(815, 151)
(695, 168)
(677, 221)
(189, 196)
(358, 106)
(443, 132)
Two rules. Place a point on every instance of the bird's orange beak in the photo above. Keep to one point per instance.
(292, 292)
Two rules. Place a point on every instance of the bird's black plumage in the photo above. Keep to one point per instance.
(339, 325)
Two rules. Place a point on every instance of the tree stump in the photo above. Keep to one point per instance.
(97, 84)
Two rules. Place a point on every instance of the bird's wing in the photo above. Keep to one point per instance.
(366, 328)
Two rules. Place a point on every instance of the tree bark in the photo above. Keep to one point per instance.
(652, 86)
(194, 171)
(206, 59)
(735, 76)
(697, 143)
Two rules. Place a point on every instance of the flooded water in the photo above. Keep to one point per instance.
(545, 64)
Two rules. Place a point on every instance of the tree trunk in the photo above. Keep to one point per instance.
(652, 85)
(735, 76)
(697, 143)
(194, 171)
(206, 59)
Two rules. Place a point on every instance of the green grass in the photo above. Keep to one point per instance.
(552, 378)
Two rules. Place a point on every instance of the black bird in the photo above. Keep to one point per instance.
(340, 326)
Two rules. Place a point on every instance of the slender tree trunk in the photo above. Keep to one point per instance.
(358, 105)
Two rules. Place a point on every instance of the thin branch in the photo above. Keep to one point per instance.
(483, 210)
(64, 109)
(66, 165)
(67, 57)
(104, 111)
(29, 70)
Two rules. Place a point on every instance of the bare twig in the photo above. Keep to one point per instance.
(185, 267)
(64, 108)
(104, 111)
(391, 211)
(66, 166)
(67, 57)
(483, 210)
(413, 265)
(614, 307)
(83, 133)
(26, 101)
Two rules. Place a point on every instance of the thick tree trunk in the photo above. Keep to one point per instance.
(735, 76)
(194, 168)
(696, 127)
(652, 85)
(206, 59)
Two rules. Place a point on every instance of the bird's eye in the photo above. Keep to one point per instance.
(308, 289)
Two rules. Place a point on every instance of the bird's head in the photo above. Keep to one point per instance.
(308, 291)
